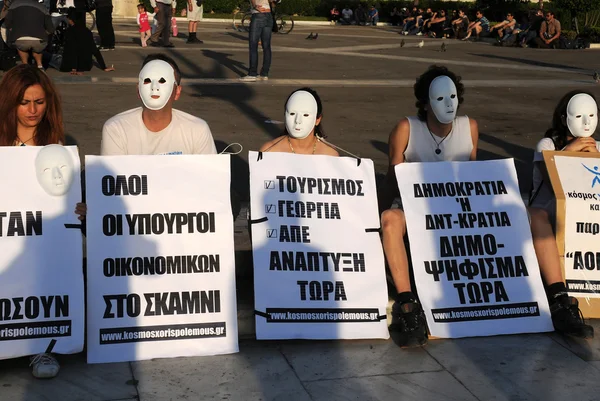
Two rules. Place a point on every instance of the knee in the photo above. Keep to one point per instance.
(393, 221)
(538, 216)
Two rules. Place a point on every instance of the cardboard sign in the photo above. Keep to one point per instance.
(472, 254)
(575, 179)
(318, 261)
(41, 262)
(161, 271)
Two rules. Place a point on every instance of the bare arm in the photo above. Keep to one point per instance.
(398, 143)
(474, 138)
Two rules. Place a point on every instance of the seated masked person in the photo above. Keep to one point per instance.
(435, 134)
(438, 135)
(157, 128)
(303, 130)
(573, 123)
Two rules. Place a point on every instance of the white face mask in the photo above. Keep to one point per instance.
(582, 115)
(300, 114)
(443, 99)
(156, 84)
(54, 169)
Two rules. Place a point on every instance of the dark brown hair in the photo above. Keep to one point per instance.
(12, 87)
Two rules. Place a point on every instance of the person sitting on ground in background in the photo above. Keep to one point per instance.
(144, 24)
(423, 20)
(303, 130)
(360, 15)
(549, 32)
(527, 37)
(437, 24)
(156, 128)
(573, 123)
(80, 47)
(334, 14)
(395, 17)
(373, 16)
(32, 116)
(410, 21)
(505, 28)
(28, 25)
(460, 25)
(347, 16)
(481, 26)
(436, 134)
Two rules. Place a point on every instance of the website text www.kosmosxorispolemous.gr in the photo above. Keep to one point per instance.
(120, 335)
(32, 330)
(583, 286)
(463, 314)
(296, 315)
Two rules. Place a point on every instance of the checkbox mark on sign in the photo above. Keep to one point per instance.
(270, 209)
(272, 233)
(269, 184)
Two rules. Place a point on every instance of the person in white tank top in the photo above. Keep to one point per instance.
(436, 134)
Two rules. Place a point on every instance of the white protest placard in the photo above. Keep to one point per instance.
(472, 254)
(161, 271)
(318, 261)
(580, 181)
(41, 258)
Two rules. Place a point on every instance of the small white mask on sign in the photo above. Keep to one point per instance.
(156, 84)
(443, 99)
(582, 115)
(300, 114)
(54, 169)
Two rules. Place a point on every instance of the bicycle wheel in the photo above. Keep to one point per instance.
(285, 23)
(246, 22)
(90, 20)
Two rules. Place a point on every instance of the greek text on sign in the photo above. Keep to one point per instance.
(41, 278)
(318, 262)
(162, 275)
(473, 259)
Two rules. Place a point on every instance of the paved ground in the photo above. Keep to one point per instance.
(365, 79)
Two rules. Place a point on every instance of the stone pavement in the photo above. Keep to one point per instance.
(542, 367)
(365, 79)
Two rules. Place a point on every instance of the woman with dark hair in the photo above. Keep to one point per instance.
(303, 130)
(574, 121)
(30, 109)
(32, 116)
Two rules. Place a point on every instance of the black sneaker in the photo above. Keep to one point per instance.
(568, 319)
(408, 324)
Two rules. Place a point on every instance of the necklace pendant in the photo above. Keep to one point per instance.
(438, 151)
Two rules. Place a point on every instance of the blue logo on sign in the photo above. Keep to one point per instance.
(596, 173)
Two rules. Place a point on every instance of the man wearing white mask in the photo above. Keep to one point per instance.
(303, 129)
(156, 128)
(435, 134)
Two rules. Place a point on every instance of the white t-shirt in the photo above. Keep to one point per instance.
(543, 196)
(347, 13)
(126, 134)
